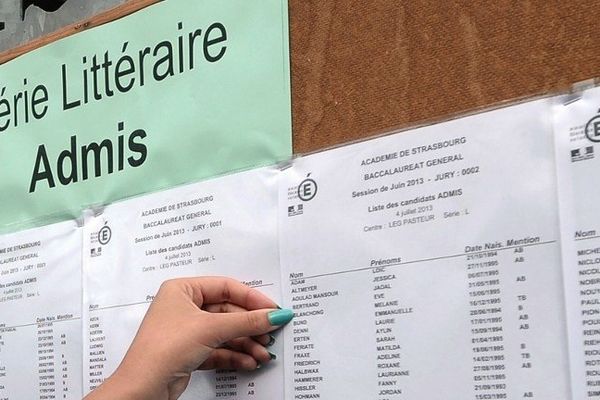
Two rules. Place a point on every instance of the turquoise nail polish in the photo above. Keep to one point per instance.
(273, 356)
(271, 341)
(280, 317)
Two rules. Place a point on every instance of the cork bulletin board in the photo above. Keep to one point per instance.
(363, 68)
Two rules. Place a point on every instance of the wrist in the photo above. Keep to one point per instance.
(139, 383)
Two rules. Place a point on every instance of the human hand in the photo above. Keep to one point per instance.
(194, 323)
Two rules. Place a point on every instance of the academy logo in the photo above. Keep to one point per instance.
(104, 235)
(99, 238)
(299, 195)
(592, 128)
(307, 189)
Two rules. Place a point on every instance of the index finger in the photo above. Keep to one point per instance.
(219, 289)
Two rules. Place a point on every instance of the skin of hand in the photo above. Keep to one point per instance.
(194, 323)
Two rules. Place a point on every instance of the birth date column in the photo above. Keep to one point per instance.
(59, 356)
(515, 308)
(487, 330)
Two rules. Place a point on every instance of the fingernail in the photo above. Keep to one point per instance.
(258, 365)
(271, 341)
(273, 356)
(279, 308)
(280, 317)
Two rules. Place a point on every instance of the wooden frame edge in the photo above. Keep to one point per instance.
(104, 17)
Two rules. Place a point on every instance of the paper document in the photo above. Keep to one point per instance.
(426, 265)
(226, 226)
(40, 313)
(577, 133)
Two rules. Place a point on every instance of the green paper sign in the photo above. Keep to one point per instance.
(178, 92)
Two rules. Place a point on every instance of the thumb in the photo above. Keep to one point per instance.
(252, 323)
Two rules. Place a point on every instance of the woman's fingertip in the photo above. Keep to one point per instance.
(280, 317)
